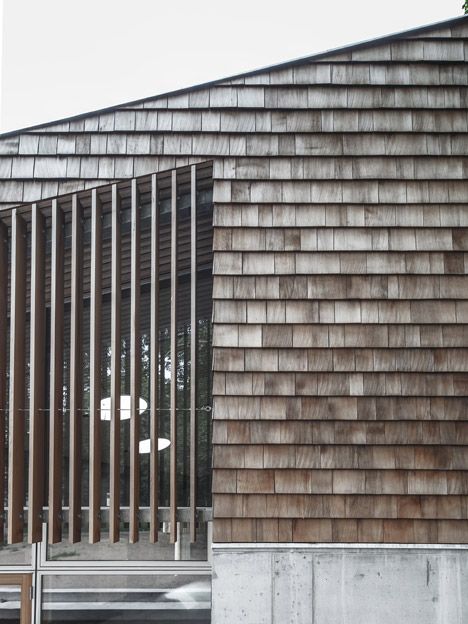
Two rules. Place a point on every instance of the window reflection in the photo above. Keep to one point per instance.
(142, 550)
(10, 604)
(126, 598)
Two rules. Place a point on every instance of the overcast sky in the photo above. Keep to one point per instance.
(64, 57)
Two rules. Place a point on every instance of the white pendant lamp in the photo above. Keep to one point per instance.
(145, 445)
(125, 404)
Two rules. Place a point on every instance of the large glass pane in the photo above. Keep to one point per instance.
(143, 550)
(15, 554)
(10, 604)
(126, 598)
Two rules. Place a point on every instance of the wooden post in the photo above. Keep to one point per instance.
(154, 361)
(173, 406)
(135, 366)
(17, 370)
(56, 376)
(114, 511)
(95, 371)
(3, 363)
(37, 378)
(76, 390)
(193, 353)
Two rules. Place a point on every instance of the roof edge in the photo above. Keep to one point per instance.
(283, 65)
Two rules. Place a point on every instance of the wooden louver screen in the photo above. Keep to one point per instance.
(71, 272)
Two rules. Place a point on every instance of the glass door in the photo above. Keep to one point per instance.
(15, 598)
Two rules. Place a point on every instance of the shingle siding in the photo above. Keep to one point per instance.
(340, 280)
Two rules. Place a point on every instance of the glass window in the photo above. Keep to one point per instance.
(15, 554)
(134, 599)
(10, 604)
(143, 550)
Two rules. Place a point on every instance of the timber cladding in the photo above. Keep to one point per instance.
(340, 280)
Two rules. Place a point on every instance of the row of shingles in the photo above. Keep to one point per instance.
(326, 530)
(344, 482)
(251, 168)
(414, 359)
(342, 431)
(84, 138)
(275, 146)
(339, 336)
(348, 456)
(342, 287)
(308, 534)
(341, 408)
(440, 506)
(275, 215)
(333, 163)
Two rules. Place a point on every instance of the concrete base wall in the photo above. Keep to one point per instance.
(340, 585)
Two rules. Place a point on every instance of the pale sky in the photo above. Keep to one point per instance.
(65, 57)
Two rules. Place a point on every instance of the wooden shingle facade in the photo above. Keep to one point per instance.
(340, 299)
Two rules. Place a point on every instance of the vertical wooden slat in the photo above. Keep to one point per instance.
(17, 379)
(75, 375)
(95, 371)
(37, 378)
(135, 366)
(56, 376)
(173, 402)
(114, 511)
(3, 363)
(193, 354)
(26, 598)
(154, 361)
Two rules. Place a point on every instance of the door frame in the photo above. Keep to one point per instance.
(24, 581)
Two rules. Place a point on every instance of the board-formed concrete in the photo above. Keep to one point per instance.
(309, 584)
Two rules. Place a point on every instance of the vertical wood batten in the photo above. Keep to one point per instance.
(3, 363)
(193, 352)
(154, 362)
(173, 402)
(114, 511)
(37, 378)
(17, 393)
(75, 374)
(95, 371)
(135, 365)
(56, 376)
